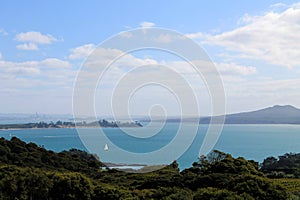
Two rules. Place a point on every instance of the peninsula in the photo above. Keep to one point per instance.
(60, 124)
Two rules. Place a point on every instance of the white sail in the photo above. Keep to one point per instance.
(106, 147)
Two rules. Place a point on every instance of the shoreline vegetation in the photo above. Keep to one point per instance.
(28, 171)
(60, 124)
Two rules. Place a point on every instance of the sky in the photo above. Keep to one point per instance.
(255, 46)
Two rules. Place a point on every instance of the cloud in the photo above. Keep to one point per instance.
(54, 63)
(82, 51)
(278, 6)
(19, 69)
(35, 37)
(169, 38)
(126, 34)
(146, 24)
(42, 86)
(195, 35)
(3, 32)
(103, 57)
(56, 77)
(273, 37)
(32, 39)
(24, 70)
(0, 56)
(29, 46)
(128, 62)
(235, 69)
(164, 38)
(264, 92)
(43, 68)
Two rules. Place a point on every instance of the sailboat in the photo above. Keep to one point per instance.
(106, 147)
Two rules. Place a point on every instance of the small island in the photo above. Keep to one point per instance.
(59, 124)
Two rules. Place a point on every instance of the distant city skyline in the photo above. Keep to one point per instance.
(254, 45)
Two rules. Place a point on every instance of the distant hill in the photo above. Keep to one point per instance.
(273, 115)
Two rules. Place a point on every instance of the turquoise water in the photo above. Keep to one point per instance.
(249, 141)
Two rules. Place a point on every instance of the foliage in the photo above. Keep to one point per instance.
(70, 186)
(286, 166)
(215, 193)
(31, 172)
(291, 184)
(236, 175)
(17, 152)
(32, 183)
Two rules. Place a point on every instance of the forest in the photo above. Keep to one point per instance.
(28, 171)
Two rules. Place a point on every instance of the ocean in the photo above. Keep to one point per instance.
(253, 142)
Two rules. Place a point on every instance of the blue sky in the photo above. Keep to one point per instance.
(254, 44)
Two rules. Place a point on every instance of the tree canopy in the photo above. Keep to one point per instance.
(28, 171)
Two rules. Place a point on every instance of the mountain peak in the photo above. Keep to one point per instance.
(284, 107)
(278, 114)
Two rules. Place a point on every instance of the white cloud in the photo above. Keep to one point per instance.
(0, 56)
(82, 51)
(3, 32)
(254, 94)
(164, 38)
(126, 34)
(32, 39)
(147, 24)
(278, 6)
(22, 68)
(195, 35)
(102, 57)
(36, 86)
(54, 63)
(50, 68)
(235, 69)
(35, 37)
(29, 46)
(273, 37)
(57, 76)
(169, 38)
(234, 75)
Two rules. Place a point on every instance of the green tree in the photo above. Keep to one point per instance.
(71, 186)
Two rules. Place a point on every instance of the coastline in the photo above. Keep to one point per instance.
(80, 127)
(67, 125)
(133, 168)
